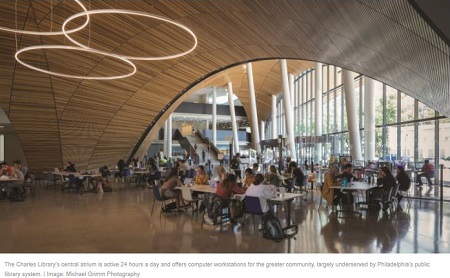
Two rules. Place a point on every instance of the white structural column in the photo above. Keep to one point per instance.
(291, 89)
(288, 111)
(369, 119)
(352, 118)
(167, 148)
(254, 113)
(262, 129)
(233, 118)
(274, 117)
(318, 111)
(214, 116)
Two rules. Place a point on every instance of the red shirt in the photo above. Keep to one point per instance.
(427, 168)
(226, 193)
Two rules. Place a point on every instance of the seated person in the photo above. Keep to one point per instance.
(386, 182)
(248, 178)
(403, 180)
(168, 189)
(346, 174)
(214, 202)
(202, 177)
(327, 192)
(70, 167)
(427, 172)
(261, 190)
(273, 177)
(221, 173)
(6, 170)
(297, 175)
(255, 168)
(24, 169)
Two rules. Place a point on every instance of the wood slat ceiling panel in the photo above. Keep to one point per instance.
(376, 38)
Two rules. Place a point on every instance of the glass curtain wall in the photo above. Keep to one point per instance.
(406, 129)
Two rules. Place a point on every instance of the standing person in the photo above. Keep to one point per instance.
(203, 156)
(404, 182)
(427, 172)
(235, 165)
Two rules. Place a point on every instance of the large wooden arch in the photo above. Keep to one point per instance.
(96, 123)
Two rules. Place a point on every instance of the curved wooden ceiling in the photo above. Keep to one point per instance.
(95, 123)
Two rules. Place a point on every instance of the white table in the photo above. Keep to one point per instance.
(355, 186)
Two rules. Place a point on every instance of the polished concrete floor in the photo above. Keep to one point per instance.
(122, 222)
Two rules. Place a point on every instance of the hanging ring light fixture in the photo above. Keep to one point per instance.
(39, 33)
(43, 47)
(137, 13)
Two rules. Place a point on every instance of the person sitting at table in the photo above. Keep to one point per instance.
(152, 170)
(213, 203)
(202, 177)
(168, 189)
(221, 173)
(346, 174)
(328, 193)
(403, 180)
(427, 172)
(273, 177)
(255, 168)
(22, 168)
(386, 182)
(7, 170)
(296, 174)
(248, 177)
(263, 192)
(70, 167)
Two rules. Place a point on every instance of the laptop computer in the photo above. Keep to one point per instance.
(187, 180)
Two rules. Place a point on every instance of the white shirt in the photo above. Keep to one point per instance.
(264, 192)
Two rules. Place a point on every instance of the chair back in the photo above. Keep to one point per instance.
(157, 193)
(72, 179)
(186, 194)
(253, 205)
(394, 191)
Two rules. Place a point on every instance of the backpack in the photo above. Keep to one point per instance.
(234, 163)
(272, 228)
(16, 195)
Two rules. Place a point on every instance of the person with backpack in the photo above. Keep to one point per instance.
(403, 180)
(235, 165)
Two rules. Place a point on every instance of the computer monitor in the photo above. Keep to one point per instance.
(418, 165)
(372, 165)
(358, 163)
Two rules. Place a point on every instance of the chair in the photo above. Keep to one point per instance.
(158, 197)
(393, 196)
(186, 193)
(30, 183)
(253, 207)
(224, 216)
(74, 184)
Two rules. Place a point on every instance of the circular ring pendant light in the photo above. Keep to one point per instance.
(38, 47)
(137, 13)
(38, 33)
